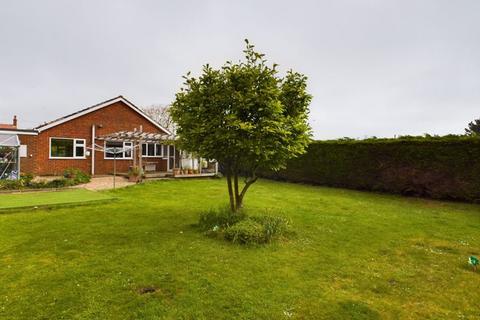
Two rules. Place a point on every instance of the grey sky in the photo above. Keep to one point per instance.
(375, 67)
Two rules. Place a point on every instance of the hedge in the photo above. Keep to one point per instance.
(440, 168)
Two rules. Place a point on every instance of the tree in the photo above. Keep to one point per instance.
(161, 114)
(245, 116)
(473, 128)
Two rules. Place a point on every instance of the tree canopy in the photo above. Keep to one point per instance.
(473, 128)
(245, 116)
(161, 114)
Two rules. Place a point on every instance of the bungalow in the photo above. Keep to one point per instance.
(78, 140)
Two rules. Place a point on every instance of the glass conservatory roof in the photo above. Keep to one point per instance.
(9, 140)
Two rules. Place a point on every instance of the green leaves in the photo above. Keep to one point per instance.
(473, 128)
(244, 114)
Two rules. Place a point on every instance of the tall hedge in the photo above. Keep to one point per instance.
(440, 168)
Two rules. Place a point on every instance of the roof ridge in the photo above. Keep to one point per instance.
(71, 116)
(79, 111)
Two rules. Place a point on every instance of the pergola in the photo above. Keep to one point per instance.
(145, 137)
(138, 138)
(9, 156)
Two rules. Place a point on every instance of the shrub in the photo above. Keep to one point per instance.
(273, 225)
(239, 228)
(71, 177)
(59, 183)
(26, 178)
(10, 184)
(220, 218)
(77, 175)
(246, 232)
(24, 182)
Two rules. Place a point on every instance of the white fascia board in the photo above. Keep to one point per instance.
(19, 132)
(100, 106)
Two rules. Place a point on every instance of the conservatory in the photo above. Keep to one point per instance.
(9, 156)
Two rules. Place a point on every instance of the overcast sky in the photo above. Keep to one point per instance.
(375, 68)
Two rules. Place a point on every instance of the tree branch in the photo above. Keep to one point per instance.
(248, 182)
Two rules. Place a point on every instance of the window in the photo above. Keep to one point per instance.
(152, 150)
(128, 146)
(171, 157)
(158, 150)
(165, 150)
(79, 148)
(67, 148)
(118, 150)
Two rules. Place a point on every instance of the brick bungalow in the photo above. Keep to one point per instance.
(73, 141)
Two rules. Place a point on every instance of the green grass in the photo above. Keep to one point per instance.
(355, 256)
(37, 199)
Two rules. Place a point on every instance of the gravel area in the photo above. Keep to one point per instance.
(103, 183)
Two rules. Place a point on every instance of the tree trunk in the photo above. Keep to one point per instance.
(236, 196)
(248, 183)
(230, 190)
(238, 202)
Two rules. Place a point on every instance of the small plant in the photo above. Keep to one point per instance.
(77, 175)
(70, 178)
(474, 262)
(26, 178)
(10, 184)
(220, 218)
(59, 183)
(246, 232)
(135, 174)
(240, 228)
(273, 225)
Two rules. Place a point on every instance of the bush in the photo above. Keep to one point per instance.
(220, 218)
(72, 177)
(436, 167)
(273, 225)
(59, 183)
(77, 175)
(239, 228)
(246, 232)
(10, 184)
(26, 178)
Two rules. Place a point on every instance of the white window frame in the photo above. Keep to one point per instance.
(74, 148)
(154, 150)
(169, 156)
(124, 146)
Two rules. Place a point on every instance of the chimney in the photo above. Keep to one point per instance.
(15, 121)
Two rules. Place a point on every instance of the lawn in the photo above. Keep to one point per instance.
(37, 199)
(355, 256)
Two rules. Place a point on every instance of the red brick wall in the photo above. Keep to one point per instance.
(113, 118)
(28, 164)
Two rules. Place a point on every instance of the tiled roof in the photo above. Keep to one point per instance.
(98, 106)
(7, 126)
